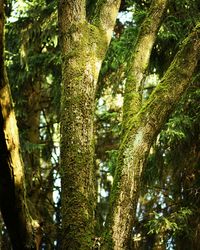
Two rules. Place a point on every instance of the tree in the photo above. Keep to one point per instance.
(12, 182)
(84, 38)
(141, 124)
(143, 128)
(29, 62)
(85, 30)
(33, 54)
(176, 158)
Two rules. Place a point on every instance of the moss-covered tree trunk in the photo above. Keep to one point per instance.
(12, 184)
(139, 62)
(139, 136)
(85, 34)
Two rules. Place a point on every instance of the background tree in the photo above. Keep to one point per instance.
(33, 63)
(12, 181)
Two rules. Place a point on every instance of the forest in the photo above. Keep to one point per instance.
(100, 124)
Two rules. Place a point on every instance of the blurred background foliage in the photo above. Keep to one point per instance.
(168, 215)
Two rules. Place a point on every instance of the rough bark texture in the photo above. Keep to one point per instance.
(138, 65)
(141, 133)
(12, 184)
(83, 47)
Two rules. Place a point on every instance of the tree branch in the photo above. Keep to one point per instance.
(138, 139)
(140, 59)
(175, 81)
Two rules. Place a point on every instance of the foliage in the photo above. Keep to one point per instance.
(174, 224)
(170, 187)
(34, 71)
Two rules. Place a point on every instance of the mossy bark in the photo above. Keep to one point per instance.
(138, 64)
(83, 47)
(12, 184)
(143, 128)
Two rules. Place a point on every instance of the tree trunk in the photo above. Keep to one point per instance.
(83, 47)
(139, 62)
(143, 128)
(12, 184)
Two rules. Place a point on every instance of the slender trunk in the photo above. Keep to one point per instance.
(39, 176)
(139, 62)
(138, 66)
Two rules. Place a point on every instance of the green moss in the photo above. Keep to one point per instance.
(100, 38)
(96, 13)
(87, 45)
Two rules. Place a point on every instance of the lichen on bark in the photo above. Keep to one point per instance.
(83, 47)
(143, 129)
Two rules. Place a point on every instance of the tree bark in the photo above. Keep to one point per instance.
(12, 184)
(83, 47)
(143, 128)
(139, 62)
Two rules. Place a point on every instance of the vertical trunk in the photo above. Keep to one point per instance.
(77, 142)
(77, 145)
(138, 139)
(35, 98)
(32, 122)
(12, 184)
(83, 47)
(137, 68)
(32, 92)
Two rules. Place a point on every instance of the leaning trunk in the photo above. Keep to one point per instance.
(12, 184)
(142, 131)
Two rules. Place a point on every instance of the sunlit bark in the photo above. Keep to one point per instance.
(12, 184)
(143, 128)
(139, 62)
(83, 47)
